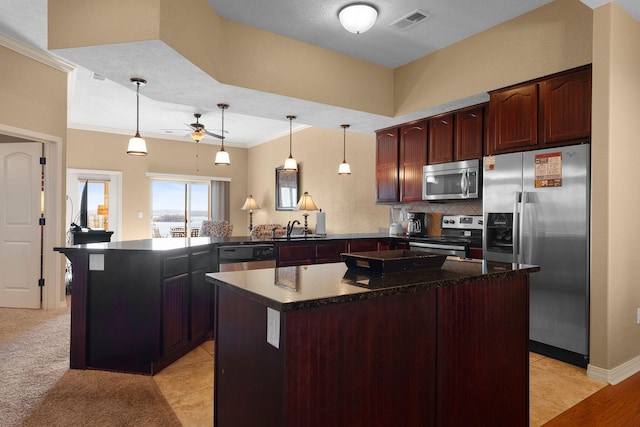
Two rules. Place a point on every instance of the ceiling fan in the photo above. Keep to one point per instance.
(198, 129)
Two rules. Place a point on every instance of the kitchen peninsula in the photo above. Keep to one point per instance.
(327, 345)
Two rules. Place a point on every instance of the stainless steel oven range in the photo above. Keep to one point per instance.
(459, 233)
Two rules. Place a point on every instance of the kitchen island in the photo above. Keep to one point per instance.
(326, 345)
(139, 305)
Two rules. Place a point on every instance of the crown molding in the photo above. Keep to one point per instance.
(36, 54)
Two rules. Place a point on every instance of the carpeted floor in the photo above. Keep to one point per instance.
(37, 387)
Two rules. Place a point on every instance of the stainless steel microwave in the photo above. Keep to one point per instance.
(452, 181)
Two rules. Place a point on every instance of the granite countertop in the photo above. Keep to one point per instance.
(167, 244)
(295, 288)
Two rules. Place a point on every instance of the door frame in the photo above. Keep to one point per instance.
(53, 292)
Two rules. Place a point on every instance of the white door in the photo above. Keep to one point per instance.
(20, 185)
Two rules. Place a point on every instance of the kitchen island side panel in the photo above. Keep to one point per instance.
(369, 362)
(483, 357)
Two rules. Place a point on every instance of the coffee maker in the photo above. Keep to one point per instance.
(417, 224)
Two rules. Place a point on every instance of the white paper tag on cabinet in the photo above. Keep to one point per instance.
(96, 262)
(273, 327)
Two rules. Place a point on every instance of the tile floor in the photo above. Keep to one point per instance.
(187, 385)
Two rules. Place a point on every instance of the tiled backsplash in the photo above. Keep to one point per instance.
(398, 213)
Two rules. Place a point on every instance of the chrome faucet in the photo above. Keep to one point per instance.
(290, 226)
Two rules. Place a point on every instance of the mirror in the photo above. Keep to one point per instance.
(286, 189)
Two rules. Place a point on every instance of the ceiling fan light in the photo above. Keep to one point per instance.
(222, 158)
(137, 146)
(358, 18)
(197, 135)
(344, 169)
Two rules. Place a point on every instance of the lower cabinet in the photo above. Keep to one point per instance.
(325, 251)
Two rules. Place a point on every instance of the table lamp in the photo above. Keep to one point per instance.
(250, 204)
(306, 204)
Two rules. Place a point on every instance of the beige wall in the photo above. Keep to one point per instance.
(615, 296)
(97, 150)
(549, 39)
(347, 200)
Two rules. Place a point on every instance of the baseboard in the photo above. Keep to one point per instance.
(617, 374)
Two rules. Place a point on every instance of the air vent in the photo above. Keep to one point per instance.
(411, 19)
(98, 77)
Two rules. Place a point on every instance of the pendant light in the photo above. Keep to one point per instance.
(222, 157)
(290, 164)
(344, 168)
(137, 145)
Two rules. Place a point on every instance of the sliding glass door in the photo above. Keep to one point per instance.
(179, 207)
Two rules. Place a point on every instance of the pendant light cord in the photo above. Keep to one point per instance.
(290, 136)
(138, 109)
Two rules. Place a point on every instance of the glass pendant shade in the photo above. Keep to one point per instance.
(290, 164)
(344, 169)
(197, 135)
(222, 157)
(137, 146)
(358, 18)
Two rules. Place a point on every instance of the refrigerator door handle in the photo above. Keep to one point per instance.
(523, 203)
(516, 227)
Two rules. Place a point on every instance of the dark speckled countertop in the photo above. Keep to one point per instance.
(295, 288)
(168, 244)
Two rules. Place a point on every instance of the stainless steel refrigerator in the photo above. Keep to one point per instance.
(536, 211)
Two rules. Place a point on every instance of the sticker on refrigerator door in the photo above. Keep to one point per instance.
(489, 163)
(548, 170)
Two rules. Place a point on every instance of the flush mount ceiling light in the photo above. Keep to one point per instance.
(137, 145)
(358, 17)
(222, 157)
(344, 168)
(290, 164)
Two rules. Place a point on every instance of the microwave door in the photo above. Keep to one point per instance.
(442, 185)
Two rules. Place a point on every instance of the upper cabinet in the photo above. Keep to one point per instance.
(413, 156)
(456, 136)
(549, 112)
(387, 151)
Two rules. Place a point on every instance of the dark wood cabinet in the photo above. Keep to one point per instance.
(548, 112)
(330, 251)
(441, 139)
(513, 119)
(363, 245)
(566, 102)
(175, 318)
(413, 156)
(469, 136)
(296, 253)
(387, 181)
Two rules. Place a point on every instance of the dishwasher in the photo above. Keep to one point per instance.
(246, 257)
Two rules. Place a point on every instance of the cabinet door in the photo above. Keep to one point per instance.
(295, 254)
(441, 139)
(201, 295)
(175, 306)
(469, 136)
(566, 104)
(413, 156)
(330, 251)
(363, 245)
(513, 119)
(387, 166)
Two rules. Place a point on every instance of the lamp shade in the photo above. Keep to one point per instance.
(306, 203)
(250, 204)
(358, 18)
(197, 135)
(222, 158)
(290, 164)
(344, 169)
(137, 146)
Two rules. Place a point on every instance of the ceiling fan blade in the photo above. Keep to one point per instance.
(215, 135)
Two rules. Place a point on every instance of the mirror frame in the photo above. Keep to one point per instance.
(282, 177)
